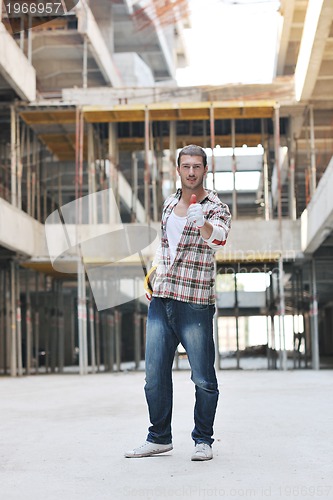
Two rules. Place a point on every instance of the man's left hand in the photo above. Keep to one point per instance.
(195, 214)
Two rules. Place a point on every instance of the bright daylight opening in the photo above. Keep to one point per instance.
(231, 41)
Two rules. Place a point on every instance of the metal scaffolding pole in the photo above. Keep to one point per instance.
(60, 328)
(134, 186)
(265, 170)
(314, 319)
(292, 196)
(29, 338)
(85, 63)
(212, 140)
(283, 353)
(13, 338)
(147, 167)
(36, 322)
(236, 320)
(18, 322)
(82, 318)
(313, 180)
(92, 334)
(113, 174)
(13, 155)
(117, 324)
(91, 175)
(137, 339)
(172, 159)
(234, 169)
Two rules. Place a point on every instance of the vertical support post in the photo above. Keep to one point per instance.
(85, 63)
(13, 155)
(113, 159)
(60, 328)
(234, 169)
(110, 340)
(283, 351)
(212, 140)
(30, 39)
(13, 337)
(92, 335)
(216, 327)
(314, 319)
(264, 142)
(117, 321)
(292, 196)
(91, 175)
(172, 160)
(82, 318)
(313, 180)
(36, 322)
(135, 186)
(137, 339)
(98, 340)
(236, 319)
(28, 357)
(277, 157)
(147, 167)
(18, 323)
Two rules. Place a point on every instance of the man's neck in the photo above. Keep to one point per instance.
(200, 193)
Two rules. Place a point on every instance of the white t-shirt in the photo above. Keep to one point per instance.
(174, 229)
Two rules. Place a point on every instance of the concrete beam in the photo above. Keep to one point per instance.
(287, 11)
(88, 27)
(317, 218)
(15, 67)
(19, 232)
(316, 31)
(259, 240)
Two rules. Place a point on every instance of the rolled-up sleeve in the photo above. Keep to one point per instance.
(220, 218)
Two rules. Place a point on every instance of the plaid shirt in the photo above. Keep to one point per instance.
(191, 278)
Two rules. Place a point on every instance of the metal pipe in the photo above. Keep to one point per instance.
(117, 321)
(18, 322)
(36, 322)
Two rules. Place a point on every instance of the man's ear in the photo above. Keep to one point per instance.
(178, 170)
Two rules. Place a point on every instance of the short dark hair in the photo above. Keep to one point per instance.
(193, 150)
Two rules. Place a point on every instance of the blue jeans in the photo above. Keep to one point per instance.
(169, 323)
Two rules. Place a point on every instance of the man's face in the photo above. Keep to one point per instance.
(191, 171)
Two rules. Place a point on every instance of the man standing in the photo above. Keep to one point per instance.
(195, 223)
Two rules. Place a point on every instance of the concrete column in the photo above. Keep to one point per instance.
(314, 319)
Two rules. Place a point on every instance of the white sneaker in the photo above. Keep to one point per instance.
(202, 451)
(148, 449)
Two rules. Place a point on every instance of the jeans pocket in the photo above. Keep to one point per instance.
(198, 307)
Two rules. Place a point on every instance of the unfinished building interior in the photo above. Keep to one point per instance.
(91, 121)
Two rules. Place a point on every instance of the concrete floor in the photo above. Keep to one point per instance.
(63, 438)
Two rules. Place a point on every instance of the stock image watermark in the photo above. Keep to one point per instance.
(87, 236)
(26, 14)
(283, 491)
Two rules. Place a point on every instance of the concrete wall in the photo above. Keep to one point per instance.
(317, 218)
